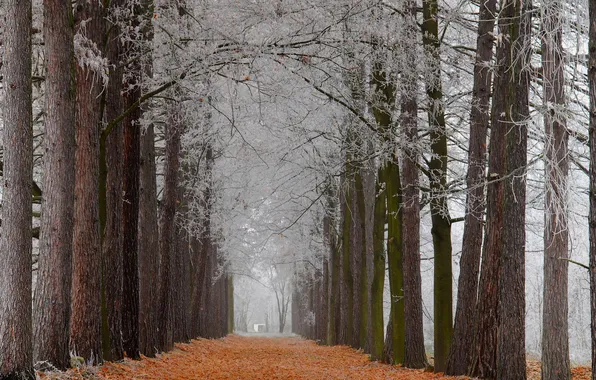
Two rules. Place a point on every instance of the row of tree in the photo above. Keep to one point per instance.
(373, 232)
(118, 272)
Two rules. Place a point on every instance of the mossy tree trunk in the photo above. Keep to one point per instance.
(441, 221)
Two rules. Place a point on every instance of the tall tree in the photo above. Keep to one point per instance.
(414, 355)
(555, 327)
(51, 314)
(85, 322)
(592, 143)
(148, 240)
(515, 25)
(463, 331)
(110, 198)
(16, 349)
(441, 221)
(383, 112)
(148, 235)
(378, 281)
(130, 219)
(167, 241)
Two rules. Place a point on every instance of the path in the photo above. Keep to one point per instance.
(263, 358)
(241, 357)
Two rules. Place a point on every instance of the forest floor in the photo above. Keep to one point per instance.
(241, 357)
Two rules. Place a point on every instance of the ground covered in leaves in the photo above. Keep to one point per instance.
(241, 357)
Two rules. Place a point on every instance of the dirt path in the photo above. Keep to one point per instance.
(238, 357)
(257, 357)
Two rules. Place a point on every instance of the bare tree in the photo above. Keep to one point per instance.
(555, 331)
(463, 331)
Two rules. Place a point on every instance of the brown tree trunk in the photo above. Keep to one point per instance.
(148, 240)
(51, 314)
(130, 227)
(555, 327)
(167, 239)
(148, 233)
(378, 282)
(16, 349)
(110, 201)
(463, 332)
(515, 26)
(592, 142)
(414, 354)
(85, 325)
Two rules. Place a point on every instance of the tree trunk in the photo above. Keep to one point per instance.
(395, 257)
(167, 240)
(515, 26)
(148, 234)
(51, 314)
(378, 282)
(130, 227)
(85, 324)
(334, 287)
(555, 331)
(463, 332)
(592, 142)
(148, 240)
(414, 355)
(16, 338)
(441, 222)
(110, 207)
(348, 279)
(362, 268)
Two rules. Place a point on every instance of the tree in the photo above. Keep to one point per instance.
(555, 330)
(378, 281)
(16, 337)
(110, 197)
(441, 221)
(463, 331)
(148, 240)
(414, 355)
(167, 241)
(592, 143)
(51, 312)
(513, 58)
(85, 322)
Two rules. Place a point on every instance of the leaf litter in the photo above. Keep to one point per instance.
(241, 357)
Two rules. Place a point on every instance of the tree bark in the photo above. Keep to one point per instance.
(167, 240)
(130, 227)
(85, 325)
(592, 142)
(348, 279)
(16, 349)
(51, 314)
(378, 282)
(555, 330)
(515, 26)
(414, 355)
(148, 240)
(395, 258)
(110, 206)
(441, 221)
(463, 332)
